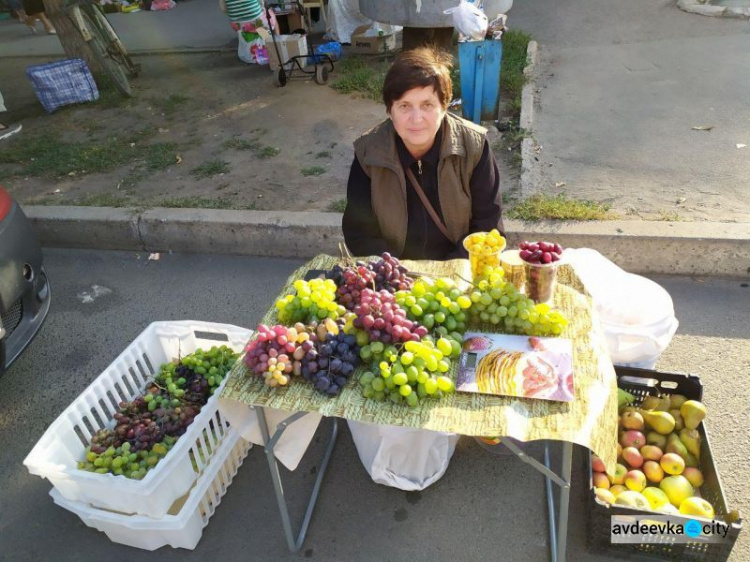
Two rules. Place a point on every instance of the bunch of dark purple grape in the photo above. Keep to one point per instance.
(338, 356)
(390, 275)
(197, 389)
(175, 421)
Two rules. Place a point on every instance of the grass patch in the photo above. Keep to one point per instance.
(161, 155)
(256, 147)
(169, 105)
(210, 168)
(267, 152)
(47, 155)
(338, 206)
(103, 200)
(512, 78)
(242, 144)
(324, 154)
(669, 216)
(203, 203)
(355, 75)
(313, 171)
(559, 207)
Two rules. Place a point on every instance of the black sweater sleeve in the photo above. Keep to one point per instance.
(486, 211)
(361, 229)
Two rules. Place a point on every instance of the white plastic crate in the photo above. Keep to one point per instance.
(57, 453)
(184, 527)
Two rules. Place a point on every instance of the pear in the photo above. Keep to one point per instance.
(693, 413)
(657, 439)
(650, 403)
(678, 423)
(661, 422)
(691, 460)
(674, 445)
(692, 441)
(677, 400)
(664, 404)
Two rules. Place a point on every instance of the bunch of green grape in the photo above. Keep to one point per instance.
(185, 380)
(419, 371)
(121, 461)
(436, 303)
(312, 300)
(498, 302)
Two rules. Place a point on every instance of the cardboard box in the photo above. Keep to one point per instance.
(289, 46)
(368, 41)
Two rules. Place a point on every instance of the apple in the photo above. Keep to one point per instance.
(597, 464)
(653, 471)
(633, 499)
(633, 457)
(656, 497)
(632, 420)
(672, 463)
(635, 480)
(618, 489)
(651, 453)
(677, 488)
(619, 476)
(697, 506)
(694, 476)
(600, 480)
(632, 438)
(605, 495)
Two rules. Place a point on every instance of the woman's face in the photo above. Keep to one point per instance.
(417, 116)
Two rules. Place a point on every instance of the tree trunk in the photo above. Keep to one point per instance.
(70, 38)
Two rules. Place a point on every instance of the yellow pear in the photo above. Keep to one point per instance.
(674, 445)
(661, 422)
(677, 400)
(678, 423)
(650, 403)
(664, 404)
(693, 413)
(692, 441)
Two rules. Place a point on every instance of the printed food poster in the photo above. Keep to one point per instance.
(523, 366)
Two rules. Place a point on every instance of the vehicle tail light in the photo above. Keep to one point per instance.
(6, 202)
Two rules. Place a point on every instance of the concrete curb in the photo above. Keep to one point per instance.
(529, 170)
(706, 9)
(139, 53)
(637, 246)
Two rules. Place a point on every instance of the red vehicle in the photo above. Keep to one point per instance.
(24, 287)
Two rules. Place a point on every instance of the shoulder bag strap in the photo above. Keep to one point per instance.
(427, 205)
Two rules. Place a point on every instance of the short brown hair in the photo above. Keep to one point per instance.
(419, 68)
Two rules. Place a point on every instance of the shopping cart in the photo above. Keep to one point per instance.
(322, 64)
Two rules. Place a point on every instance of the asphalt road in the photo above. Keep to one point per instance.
(485, 507)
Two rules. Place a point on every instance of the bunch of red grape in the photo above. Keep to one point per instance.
(384, 320)
(540, 252)
(277, 353)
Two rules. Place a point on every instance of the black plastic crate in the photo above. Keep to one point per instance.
(641, 383)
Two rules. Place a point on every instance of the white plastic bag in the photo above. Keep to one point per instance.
(243, 49)
(403, 457)
(295, 440)
(636, 314)
(470, 21)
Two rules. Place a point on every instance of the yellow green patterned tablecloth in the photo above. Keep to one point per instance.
(590, 420)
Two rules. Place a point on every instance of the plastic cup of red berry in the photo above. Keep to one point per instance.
(541, 262)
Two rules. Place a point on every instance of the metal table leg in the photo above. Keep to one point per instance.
(558, 527)
(270, 443)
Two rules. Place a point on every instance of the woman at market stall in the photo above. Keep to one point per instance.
(424, 179)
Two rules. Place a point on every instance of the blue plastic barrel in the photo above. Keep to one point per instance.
(480, 78)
